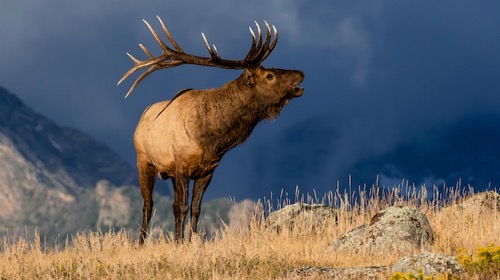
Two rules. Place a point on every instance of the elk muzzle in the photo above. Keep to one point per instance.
(298, 77)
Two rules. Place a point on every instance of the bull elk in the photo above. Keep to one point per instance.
(185, 138)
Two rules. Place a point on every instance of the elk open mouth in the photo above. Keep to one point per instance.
(297, 91)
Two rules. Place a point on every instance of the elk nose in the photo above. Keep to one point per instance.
(301, 75)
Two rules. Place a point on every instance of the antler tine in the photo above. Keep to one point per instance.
(268, 36)
(259, 42)
(138, 80)
(275, 40)
(158, 39)
(130, 71)
(212, 53)
(251, 52)
(264, 47)
(151, 69)
(138, 64)
(273, 44)
(135, 60)
(216, 52)
(170, 38)
(146, 51)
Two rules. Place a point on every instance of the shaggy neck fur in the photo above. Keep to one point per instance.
(232, 112)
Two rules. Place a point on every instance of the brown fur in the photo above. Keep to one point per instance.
(185, 139)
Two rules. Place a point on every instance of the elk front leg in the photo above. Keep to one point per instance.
(181, 188)
(200, 186)
(147, 178)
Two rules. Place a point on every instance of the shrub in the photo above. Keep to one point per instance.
(485, 263)
(420, 276)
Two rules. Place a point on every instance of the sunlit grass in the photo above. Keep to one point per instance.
(248, 251)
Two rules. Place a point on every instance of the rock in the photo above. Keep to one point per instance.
(485, 205)
(372, 272)
(429, 263)
(308, 216)
(489, 200)
(392, 230)
(241, 214)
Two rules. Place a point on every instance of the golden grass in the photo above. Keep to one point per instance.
(253, 252)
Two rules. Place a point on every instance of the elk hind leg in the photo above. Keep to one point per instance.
(147, 178)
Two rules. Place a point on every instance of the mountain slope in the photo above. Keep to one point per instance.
(43, 143)
(34, 197)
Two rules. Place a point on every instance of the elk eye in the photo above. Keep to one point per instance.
(269, 76)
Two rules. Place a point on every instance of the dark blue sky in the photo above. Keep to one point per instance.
(378, 74)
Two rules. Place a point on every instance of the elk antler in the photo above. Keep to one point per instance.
(258, 52)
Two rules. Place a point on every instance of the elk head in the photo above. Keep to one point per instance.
(271, 89)
(259, 51)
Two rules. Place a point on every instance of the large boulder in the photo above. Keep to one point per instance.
(429, 264)
(355, 273)
(242, 213)
(392, 230)
(479, 209)
(485, 201)
(303, 216)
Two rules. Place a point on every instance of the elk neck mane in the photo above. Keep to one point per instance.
(175, 97)
(230, 113)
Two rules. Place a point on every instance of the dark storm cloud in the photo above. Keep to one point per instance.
(377, 74)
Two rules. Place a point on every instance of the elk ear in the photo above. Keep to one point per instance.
(249, 77)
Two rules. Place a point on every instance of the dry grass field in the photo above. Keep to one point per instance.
(247, 252)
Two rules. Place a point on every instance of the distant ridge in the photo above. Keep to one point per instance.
(47, 145)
